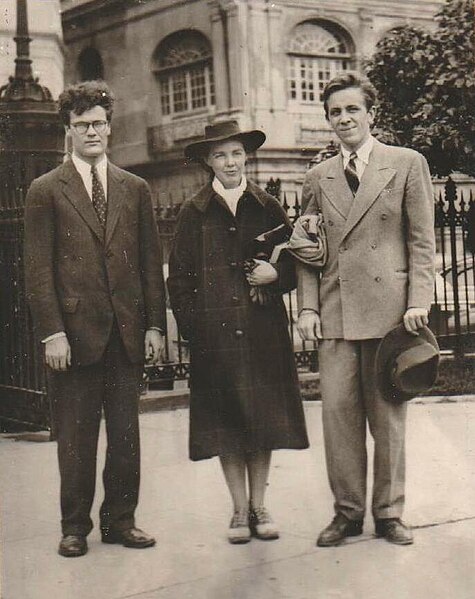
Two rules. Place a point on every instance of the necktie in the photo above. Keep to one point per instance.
(98, 197)
(350, 173)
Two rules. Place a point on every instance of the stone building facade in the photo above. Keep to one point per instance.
(176, 65)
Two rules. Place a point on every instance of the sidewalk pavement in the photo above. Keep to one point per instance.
(186, 505)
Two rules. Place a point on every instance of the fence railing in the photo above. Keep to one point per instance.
(452, 316)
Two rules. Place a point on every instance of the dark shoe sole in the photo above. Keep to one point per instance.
(394, 541)
(239, 541)
(68, 553)
(116, 541)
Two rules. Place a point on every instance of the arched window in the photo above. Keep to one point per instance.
(183, 63)
(317, 52)
(90, 65)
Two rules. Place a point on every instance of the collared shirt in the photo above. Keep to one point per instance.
(362, 156)
(230, 196)
(84, 169)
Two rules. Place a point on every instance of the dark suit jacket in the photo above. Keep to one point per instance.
(79, 278)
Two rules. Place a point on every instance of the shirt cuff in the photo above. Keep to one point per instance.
(55, 336)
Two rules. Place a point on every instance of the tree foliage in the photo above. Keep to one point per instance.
(426, 88)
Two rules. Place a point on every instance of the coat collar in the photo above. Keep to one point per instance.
(203, 198)
(75, 192)
(379, 171)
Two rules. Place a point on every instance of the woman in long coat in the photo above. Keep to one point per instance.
(245, 398)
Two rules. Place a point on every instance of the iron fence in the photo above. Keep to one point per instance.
(452, 315)
(23, 398)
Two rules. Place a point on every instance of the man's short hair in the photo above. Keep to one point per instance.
(345, 81)
(84, 96)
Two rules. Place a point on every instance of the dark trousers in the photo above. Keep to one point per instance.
(79, 395)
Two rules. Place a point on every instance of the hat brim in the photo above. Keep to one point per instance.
(251, 140)
(394, 343)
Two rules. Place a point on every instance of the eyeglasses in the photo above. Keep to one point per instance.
(82, 127)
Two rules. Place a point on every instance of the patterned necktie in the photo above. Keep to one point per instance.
(350, 173)
(98, 197)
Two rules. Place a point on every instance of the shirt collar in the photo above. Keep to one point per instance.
(84, 168)
(362, 153)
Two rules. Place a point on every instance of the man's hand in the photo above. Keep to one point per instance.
(414, 319)
(309, 325)
(263, 274)
(58, 353)
(154, 346)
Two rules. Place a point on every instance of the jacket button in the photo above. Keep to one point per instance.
(232, 229)
(239, 333)
(373, 246)
(384, 216)
(330, 223)
(342, 249)
(235, 299)
(233, 264)
(377, 279)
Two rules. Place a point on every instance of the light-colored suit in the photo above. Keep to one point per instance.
(380, 263)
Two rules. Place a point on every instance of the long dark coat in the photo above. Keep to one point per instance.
(244, 387)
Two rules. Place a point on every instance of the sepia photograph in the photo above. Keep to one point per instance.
(237, 299)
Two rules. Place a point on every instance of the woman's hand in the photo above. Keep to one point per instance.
(263, 274)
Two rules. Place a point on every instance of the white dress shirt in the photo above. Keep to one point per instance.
(362, 156)
(84, 169)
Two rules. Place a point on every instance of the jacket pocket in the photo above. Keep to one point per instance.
(69, 304)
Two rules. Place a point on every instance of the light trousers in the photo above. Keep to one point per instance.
(350, 399)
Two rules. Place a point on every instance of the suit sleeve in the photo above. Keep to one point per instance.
(151, 262)
(419, 212)
(285, 267)
(182, 272)
(39, 260)
(308, 294)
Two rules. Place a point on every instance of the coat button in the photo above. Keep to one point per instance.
(384, 216)
(233, 264)
(342, 249)
(330, 223)
(235, 299)
(239, 333)
(232, 229)
(373, 246)
(377, 279)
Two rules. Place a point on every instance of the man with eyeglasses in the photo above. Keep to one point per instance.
(95, 286)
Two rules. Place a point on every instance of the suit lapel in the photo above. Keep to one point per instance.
(75, 191)
(335, 187)
(115, 199)
(376, 176)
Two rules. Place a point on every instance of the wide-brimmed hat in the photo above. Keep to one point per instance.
(406, 364)
(222, 131)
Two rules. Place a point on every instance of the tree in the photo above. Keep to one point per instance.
(426, 87)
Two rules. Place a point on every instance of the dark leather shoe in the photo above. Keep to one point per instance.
(394, 531)
(340, 528)
(72, 546)
(132, 537)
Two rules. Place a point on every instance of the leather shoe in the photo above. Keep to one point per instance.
(339, 528)
(132, 537)
(72, 546)
(394, 531)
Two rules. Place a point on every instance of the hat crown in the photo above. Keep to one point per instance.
(222, 129)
